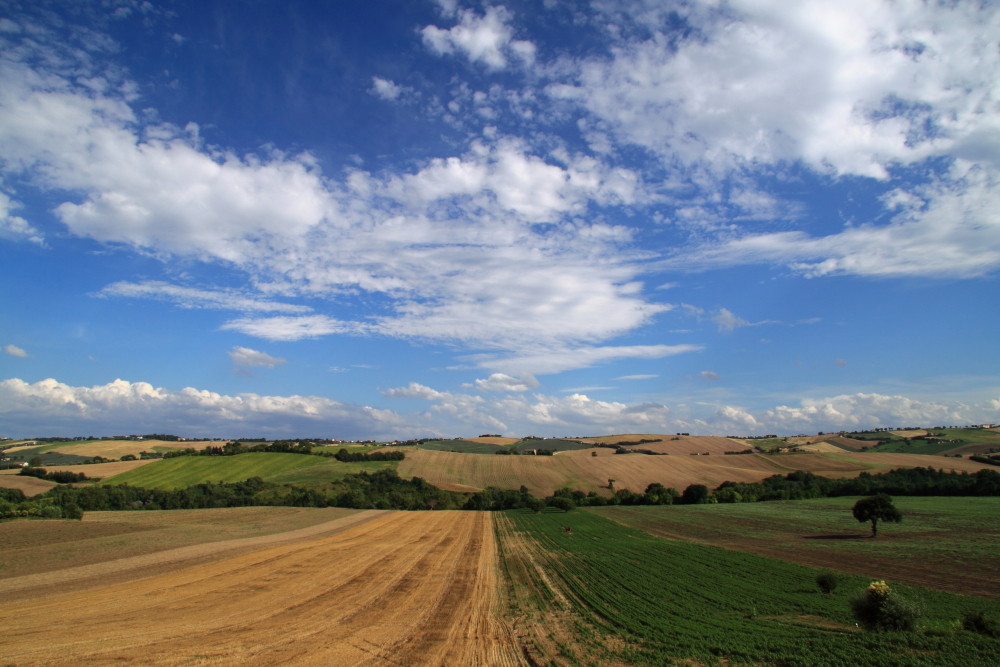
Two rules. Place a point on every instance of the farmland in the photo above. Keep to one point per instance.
(944, 543)
(400, 588)
(580, 470)
(184, 471)
(593, 591)
(688, 584)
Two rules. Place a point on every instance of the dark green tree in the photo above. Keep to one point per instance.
(876, 508)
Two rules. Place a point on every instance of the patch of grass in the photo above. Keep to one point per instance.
(667, 601)
(461, 446)
(553, 444)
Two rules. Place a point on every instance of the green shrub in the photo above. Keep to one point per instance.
(976, 621)
(878, 609)
(827, 582)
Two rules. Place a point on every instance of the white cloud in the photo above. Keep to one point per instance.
(50, 406)
(290, 328)
(637, 377)
(196, 297)
(386, 89)
(709, 375)
(849, 88)
(438, 243)
(486, 39)
(15, 227)
(544, 362)
(874, 89)
(14, 351)
(504, 382)
(248, 358)
(727, 321)
(414, 390)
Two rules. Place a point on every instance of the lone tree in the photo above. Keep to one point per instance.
(876, 508)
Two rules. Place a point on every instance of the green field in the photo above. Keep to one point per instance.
(184, 471)
(553, 444)
(652, 601)
(945, 543)
(461, 446)
(962, 437)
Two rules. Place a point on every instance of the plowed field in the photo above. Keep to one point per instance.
(404, 588)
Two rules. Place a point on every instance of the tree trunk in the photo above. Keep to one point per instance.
(874, 527)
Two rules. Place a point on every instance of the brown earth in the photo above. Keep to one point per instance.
(406, 588)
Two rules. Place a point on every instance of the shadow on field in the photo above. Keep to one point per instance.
(854, 536)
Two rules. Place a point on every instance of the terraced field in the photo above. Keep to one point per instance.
(402, 588)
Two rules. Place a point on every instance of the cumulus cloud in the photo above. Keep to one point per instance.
(437, 243)
(15, 227)
(121, 406)
(876, 90)
(486, 39)
(386, 89)
(504, 382)
(709, 375)
(14, 351)
(248, 358)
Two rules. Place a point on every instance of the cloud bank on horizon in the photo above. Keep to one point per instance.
(473, 210)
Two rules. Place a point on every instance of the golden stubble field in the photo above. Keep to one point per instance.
(580, 470)
(409, 588)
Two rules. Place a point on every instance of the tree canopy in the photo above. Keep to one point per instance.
(876, 508)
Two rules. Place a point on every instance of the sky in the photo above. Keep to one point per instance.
(419, 218)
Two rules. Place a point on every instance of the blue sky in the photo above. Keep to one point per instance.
(408, 219)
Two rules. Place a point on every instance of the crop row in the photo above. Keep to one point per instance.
(671, 601)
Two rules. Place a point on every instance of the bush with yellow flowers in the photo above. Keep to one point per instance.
(879, 609)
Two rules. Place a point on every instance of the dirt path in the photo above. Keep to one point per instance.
(405, 588)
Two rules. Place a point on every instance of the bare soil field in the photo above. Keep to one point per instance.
(411, 588)
(544, 474)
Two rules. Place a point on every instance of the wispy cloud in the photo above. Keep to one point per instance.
(14, 351)
(248, 358)
(197, 297)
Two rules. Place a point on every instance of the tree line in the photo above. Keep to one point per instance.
(384, 489)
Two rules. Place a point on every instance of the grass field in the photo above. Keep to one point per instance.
(637, 599)
(183, 471)
(944, 543)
